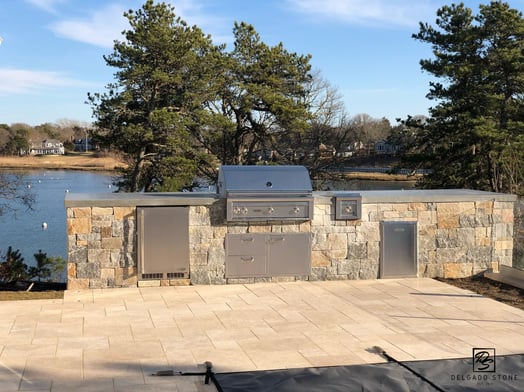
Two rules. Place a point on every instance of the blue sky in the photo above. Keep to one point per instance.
(51, 50)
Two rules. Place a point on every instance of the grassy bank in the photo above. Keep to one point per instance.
(76, 161)
(92, 162)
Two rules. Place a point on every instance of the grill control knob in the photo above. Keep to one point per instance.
(270, 210)
(240, 210)
(349, 209)
(296, 210)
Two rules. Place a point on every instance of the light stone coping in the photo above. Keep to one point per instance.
(209, 198)
(139, 199)
(416, 196)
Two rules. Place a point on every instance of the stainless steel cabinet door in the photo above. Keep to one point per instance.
(163, 242)
(258, 254)
(289, 254)
(398, 252)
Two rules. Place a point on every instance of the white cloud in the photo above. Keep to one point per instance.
(104, 26)
(389, 12)
(100, 28)
(23, 81)
(192, 12)
(46, 5)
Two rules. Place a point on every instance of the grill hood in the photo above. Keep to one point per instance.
(263, 180)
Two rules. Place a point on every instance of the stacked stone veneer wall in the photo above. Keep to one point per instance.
(455, 239)
(101, 244)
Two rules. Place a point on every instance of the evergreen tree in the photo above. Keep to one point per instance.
(12, 266)
(263, 96)
(43, 266)
(161, 83)
(180, 105)
(475, 132)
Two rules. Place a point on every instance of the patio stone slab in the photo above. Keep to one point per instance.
(115, 339)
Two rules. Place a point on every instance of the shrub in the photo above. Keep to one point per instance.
(12, 266)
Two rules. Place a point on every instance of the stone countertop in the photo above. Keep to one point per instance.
(208, 198)
(139, 199)
(419, 195)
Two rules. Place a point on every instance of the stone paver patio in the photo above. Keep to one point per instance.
(114, 339)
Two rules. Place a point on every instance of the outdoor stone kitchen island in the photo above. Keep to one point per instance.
(457, 233)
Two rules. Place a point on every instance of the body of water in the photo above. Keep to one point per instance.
(23, 230)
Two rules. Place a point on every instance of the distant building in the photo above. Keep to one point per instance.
(385, 147)
(351, 149)
(84, 144)
(47, 147)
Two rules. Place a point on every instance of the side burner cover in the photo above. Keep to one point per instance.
(348, 207)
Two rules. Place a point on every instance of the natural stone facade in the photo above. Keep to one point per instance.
(456, 238)
(101, 247)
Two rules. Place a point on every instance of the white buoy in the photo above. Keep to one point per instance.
(44, 225)
(67, 190)
(28, 186)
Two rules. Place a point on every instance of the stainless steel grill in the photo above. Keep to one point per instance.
(263, 193)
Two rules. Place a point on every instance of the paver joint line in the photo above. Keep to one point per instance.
(125, 335)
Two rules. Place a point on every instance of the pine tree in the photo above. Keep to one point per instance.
(475, 131)
(160, 84)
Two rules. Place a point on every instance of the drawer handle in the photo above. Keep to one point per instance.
(277, 239)
(250, 259)
(250, 239)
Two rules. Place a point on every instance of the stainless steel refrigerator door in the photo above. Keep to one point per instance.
(163, 242)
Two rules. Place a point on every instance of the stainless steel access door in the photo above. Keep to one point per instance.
(398, 251)
(289, 254)
(264, 254)
(163, 242)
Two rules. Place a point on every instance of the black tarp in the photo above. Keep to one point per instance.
(505, 374)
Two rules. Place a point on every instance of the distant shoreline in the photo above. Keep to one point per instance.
(381, 177)
(89, 162)
(85, 162)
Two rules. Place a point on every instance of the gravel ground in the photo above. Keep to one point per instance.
(489, 288)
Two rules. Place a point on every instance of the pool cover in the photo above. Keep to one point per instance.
(484, 372)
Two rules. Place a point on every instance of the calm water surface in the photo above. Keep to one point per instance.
(24, 231)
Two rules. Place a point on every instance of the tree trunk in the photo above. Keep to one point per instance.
(137, 171)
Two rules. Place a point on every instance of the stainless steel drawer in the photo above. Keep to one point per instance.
(241, 266)
(245, 244)
(266, 254)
